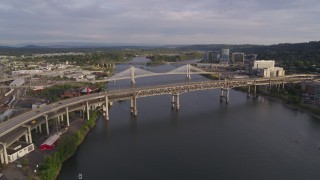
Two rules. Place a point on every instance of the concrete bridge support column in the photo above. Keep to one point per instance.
(224, 96)
(88, 115)
(178, 101)
(40, 128)
(131, 105)
(106, 110)
(188, 71)
(26, 137)
(29, 133)
(248, 94)
(283, 85)
(47, 124)
(2, 158)
(67, 116)
(255, 91)
(5, 154)
(58, 120)
(62, 119)
(132, 75)
(135, 110)
(172, 101)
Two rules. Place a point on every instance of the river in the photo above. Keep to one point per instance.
(245, 139)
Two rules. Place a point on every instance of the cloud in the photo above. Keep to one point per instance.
(160, 22)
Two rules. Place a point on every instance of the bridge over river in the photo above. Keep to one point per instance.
(14, 128)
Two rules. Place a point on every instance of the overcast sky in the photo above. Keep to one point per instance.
(160, 21)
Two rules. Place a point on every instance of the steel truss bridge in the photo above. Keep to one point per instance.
(14, 128)
(132, 93)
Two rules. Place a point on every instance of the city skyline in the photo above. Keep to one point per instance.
(160, 22)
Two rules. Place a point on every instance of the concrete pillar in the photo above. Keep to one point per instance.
(58, 120)
(29, 132)
(188, 71)
(132, 75)
(282, 85)
(227, 98)
(178, 101)
(107, 107)
(88, 115)
(40, 129)
(5, 154)
(135, 110)
(26, 137)
(172, 102)
(2, 158)
(255, 91)
(131, 105)
(47, 124)
(221, 95)
(248, 94)
(67, 116)
(224, 96)
(62, 119)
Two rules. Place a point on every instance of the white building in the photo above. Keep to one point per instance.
(262, 64)
(272, 72)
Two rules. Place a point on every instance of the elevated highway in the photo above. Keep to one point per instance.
(14, 128)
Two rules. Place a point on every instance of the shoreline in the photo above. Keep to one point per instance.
(292, 106)
(50, 168)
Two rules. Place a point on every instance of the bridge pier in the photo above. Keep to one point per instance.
(178, 101)
(67, 116)
(133, 82)
(248, 93)
(87, 107)
(62, 119)
(47, 124)
(131, 105)
(40, 128)
(28, 135)
(135, 110)
(224, 96)
(172, 101)
(58, 120)
(175, 103)
(5, 154)
(106, 108)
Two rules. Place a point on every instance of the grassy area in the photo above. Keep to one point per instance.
(51, 167)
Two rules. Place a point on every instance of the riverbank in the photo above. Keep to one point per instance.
(286, 100)
(52, 164)
(313, 111)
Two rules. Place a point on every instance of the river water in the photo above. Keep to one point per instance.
(246, 139)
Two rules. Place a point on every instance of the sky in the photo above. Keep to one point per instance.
(160, 21)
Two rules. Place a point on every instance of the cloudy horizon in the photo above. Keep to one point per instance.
(160, 22)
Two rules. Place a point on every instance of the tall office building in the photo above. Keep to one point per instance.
(224, 56)
(210, 57)
(237, 57)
